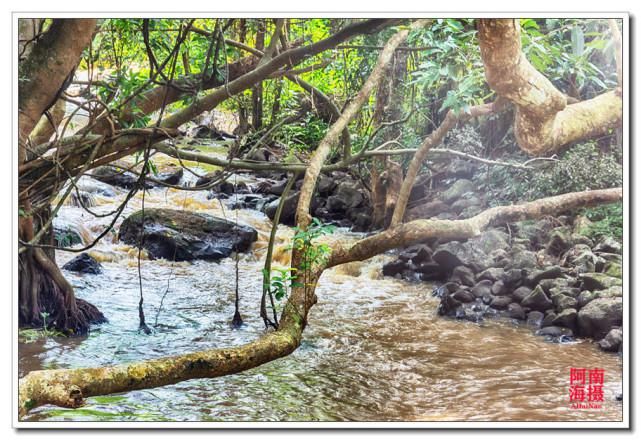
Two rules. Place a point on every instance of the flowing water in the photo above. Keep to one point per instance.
(374, 350)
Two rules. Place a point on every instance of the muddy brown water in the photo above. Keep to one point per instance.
(374, 350)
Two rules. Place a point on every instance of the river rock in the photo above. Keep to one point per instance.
(537, 300)
(492, 274)
(448, 306)
(66, 236)
(555, 332)
(512, 277)
(515, 311)
(394, 268)
(567, 318)
(534, 319)
(582, 258)
(521, 293)
(500, 302)
(473, 253)
(537, 232)
(613, 340)
(427, 210)
(83, 263)
(549, 273)
(457, 190)
(347, 196)
(461, 205)
(499, 288)
(560, 241)
(171, 174)
(518, 258)
(117, 177)
(613, 269)
(585, 297)
(562, 302)
(464, 296)
(482, 288)
(430, 271)
(326, 185)
(82, 199)
(599, 316)
(288, 214)
(609, 245)
(463, 275)
(419, 253)
(598, 281)
(183, 236)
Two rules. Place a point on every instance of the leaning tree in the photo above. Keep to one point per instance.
(544, 122)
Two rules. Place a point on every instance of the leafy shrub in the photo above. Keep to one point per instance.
(583, 167)
(607, 221)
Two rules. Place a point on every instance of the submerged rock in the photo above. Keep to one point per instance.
(612, 341)
(183, 236)
(83, 263)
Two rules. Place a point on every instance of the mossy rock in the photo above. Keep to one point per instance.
(183, 236)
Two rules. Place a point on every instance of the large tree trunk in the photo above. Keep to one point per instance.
(45, 297)
(386, 184)
(544, 122)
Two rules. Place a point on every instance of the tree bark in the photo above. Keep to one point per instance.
(44, 71)
(45, 297)
(544, 122)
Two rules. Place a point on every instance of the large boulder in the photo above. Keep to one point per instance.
(537, 300)
(473, 253)
(457, 190)
(598, 281)
(83, 263)
(117, 177)
(599, 316)
(347, 196)
(612, 341)
(183, 236)
(288, 214)
(427, 210)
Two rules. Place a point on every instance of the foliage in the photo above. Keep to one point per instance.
(577, 55)
(283, 279)
(607, 221)
(582, 167)
(303, 135)
(452, 62)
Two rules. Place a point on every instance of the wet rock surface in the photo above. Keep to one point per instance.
(183, 236)
(83, 263)
(561, 296)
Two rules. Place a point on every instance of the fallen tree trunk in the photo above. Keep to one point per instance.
(68, 387)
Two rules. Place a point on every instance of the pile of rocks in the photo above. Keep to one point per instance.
(340, 200)
(562, 287)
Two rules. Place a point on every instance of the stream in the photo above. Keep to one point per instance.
(374, 349)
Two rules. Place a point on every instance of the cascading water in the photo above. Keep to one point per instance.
(374, 348)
